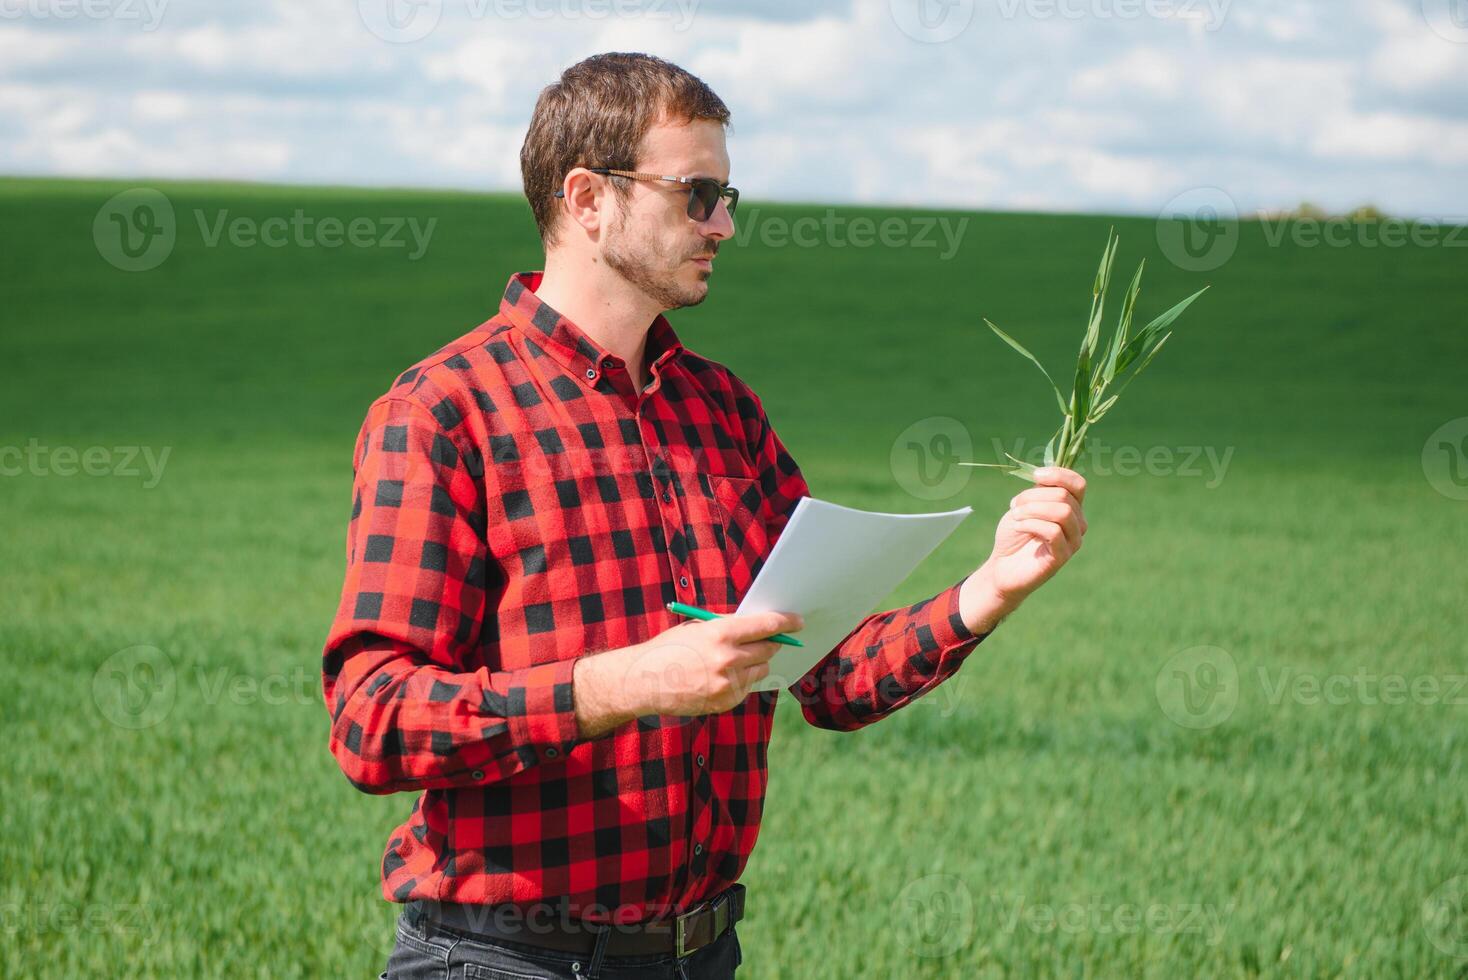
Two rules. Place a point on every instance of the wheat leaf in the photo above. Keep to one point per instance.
(1032, 358)
(1140, 342)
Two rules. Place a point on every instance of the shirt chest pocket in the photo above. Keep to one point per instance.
(740, 528)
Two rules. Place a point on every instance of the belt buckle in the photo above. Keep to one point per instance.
(720, 908)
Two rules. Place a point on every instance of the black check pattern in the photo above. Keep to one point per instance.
(518, 504)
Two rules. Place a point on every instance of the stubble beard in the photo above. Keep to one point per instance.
(637, 263)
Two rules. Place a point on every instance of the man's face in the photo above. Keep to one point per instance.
(651, 241)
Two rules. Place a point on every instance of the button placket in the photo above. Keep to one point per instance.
(671, 514)
(701, 806)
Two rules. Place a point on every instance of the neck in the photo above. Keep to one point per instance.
(607, 308)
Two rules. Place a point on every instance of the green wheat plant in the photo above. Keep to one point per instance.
(1099, 368)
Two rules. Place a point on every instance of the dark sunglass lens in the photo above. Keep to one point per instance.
(703, 197)
(733, 198)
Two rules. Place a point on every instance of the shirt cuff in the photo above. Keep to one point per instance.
(542, 712)
(945, 628)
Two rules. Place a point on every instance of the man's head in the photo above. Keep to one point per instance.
(638, 113)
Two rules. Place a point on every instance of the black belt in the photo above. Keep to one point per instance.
(679, 935)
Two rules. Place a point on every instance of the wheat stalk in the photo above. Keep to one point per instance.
(1124, 356)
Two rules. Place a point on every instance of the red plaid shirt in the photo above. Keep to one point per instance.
(519, 504)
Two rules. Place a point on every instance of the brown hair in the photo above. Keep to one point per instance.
(597, 114)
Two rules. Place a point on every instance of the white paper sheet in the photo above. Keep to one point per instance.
(832, 565)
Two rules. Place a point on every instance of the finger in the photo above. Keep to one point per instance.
(743, 678)
(754, 652)
(1045, 510)
(756, 626)
(756, 672)
(1059, 476)
(1047, 493)
(1065, 515)
(1050, 533)
(1041, 493)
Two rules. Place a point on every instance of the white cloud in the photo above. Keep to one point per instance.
(1339, 101)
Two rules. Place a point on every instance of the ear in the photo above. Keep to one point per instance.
(583, 197)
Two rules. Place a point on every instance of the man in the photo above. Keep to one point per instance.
(591, 771)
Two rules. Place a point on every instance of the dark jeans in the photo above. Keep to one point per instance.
(428, 952)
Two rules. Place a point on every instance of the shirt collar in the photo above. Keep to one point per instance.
(583, 357)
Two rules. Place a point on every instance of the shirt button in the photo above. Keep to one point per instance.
(591, 374)
(697, 849)
(683, 581)
(699, 759)
(667, 497)
(477, 774)
(551, 752)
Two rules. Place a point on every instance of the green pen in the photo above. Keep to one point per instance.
(685, 610)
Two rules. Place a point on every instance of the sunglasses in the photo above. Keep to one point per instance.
(703, 192)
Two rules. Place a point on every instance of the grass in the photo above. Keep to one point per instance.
(1041, 814)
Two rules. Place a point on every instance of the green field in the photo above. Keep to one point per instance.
(1063, 807)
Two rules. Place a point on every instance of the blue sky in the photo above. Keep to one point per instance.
(1090, 105)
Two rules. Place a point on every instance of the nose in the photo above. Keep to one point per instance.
(720, 224)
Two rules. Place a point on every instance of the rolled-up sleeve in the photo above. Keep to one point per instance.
(892, 657)
(407, 712)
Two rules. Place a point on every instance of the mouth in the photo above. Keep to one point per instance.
(703, 261)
